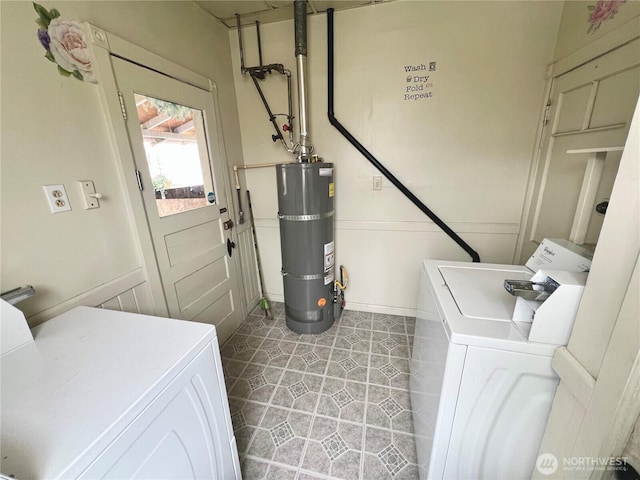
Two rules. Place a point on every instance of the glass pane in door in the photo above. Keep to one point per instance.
(177, 156)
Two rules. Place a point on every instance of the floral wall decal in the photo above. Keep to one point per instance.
(63, 39)
(602, 11)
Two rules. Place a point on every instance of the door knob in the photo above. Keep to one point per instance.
(230, 246)
(602, 207)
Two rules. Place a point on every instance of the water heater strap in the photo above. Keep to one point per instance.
(306, 218)
(316, 276)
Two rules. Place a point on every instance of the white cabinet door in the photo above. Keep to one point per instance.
(590, 107)
(185, 433)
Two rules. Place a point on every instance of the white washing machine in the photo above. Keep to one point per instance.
(104, 394)
(481, 391)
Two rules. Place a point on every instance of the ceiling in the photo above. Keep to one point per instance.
(267, 11)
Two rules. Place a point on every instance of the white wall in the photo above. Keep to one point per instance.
(54, 131)
(465, 152)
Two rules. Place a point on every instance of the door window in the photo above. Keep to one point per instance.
(176, 153)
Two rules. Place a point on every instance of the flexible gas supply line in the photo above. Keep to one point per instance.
(344, 279)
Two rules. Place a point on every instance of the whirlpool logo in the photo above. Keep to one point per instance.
(547, 464)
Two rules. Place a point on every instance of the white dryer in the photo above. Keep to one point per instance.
(104, 394)
(481, 391)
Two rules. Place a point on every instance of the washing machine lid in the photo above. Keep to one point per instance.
(474, 307)
(479, 291)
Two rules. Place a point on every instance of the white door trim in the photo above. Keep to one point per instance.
(122, 48)
(103, 45)
(603, 45)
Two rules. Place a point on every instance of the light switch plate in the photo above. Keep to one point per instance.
(57, 198)
(88, 188)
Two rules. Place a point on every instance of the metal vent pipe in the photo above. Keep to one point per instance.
(300, 18)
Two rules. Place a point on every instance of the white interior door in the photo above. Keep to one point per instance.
(173, 135)
(590, 108)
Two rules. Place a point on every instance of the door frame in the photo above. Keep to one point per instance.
(599, 47)
(102, 46)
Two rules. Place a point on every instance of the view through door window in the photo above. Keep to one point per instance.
(177, 157)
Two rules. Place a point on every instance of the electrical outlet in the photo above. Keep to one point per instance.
(57, 198)
(377, 182)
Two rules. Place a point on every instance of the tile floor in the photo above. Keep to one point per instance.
(329, 406)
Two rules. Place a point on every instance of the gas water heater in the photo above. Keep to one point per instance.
(305, 200)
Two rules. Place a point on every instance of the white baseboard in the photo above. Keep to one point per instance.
(382, 309)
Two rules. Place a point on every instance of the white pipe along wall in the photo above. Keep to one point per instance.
(459, 133)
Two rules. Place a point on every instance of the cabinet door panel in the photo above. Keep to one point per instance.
(590, 107)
